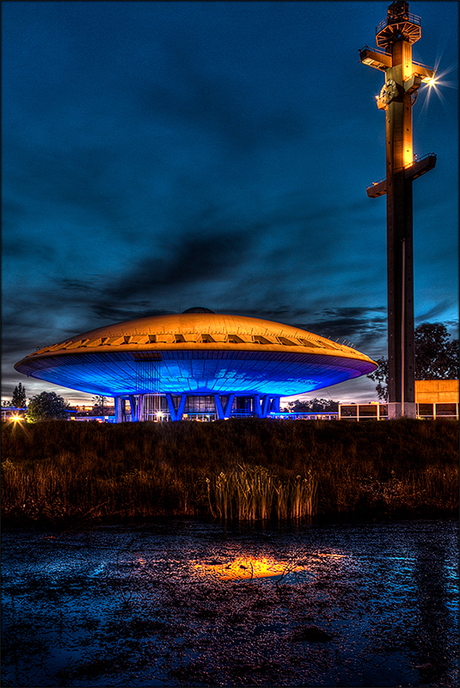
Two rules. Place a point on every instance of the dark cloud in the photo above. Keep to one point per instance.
(104, 312)
(362, 327)
(437, 311)
(12, 214)
(76, 181)
(218, 103)
(12, 247)
(196, 259)
(207, 105)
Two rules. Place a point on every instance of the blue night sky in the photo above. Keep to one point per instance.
(164, 155)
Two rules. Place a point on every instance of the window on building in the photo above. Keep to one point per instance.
(367, 411)
(446, 410)
(425, 410)
(349, 411)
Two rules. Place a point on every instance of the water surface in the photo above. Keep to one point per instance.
(192, 603)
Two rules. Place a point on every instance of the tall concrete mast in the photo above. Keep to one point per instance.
(395, 36)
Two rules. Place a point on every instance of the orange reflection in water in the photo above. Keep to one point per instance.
(248, 567)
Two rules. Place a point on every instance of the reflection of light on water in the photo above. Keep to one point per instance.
(330, 556)
(249, 567)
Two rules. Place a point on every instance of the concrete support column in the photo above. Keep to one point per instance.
(172, 410)
(176, 415)
(257, 407)
(395, 410)
(180, 410)
(276, 405)
(399, 155)
(140, 407)
(133, 402)
(119, 409)
(228, 406)
(219, 409)
(265, 406)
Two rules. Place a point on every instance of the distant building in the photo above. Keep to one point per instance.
(433, 399)
(372, 411)
(437, 398)
(86, 414)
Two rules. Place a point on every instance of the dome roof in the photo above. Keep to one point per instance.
(198, 309)
(198, 330)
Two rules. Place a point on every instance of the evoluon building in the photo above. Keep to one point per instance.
(196, 362)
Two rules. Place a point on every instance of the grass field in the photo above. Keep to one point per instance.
(248, 469)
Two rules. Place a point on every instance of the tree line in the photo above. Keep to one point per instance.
(436, 358)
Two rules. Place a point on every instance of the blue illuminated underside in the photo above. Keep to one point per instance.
(197, 372)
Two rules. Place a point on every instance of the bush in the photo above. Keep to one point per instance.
(46, 406)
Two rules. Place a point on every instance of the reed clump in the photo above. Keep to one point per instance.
(252, 493)
(246, 470)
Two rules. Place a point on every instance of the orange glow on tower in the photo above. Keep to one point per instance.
(403, 77)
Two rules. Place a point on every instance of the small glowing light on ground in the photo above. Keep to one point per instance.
(19, 423)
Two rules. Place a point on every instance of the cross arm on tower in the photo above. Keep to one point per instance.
(411, 172)
(378, 59)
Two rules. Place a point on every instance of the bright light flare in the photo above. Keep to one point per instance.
(19, 424)
(436, 84)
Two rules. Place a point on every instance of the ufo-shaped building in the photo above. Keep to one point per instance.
(195, 362)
